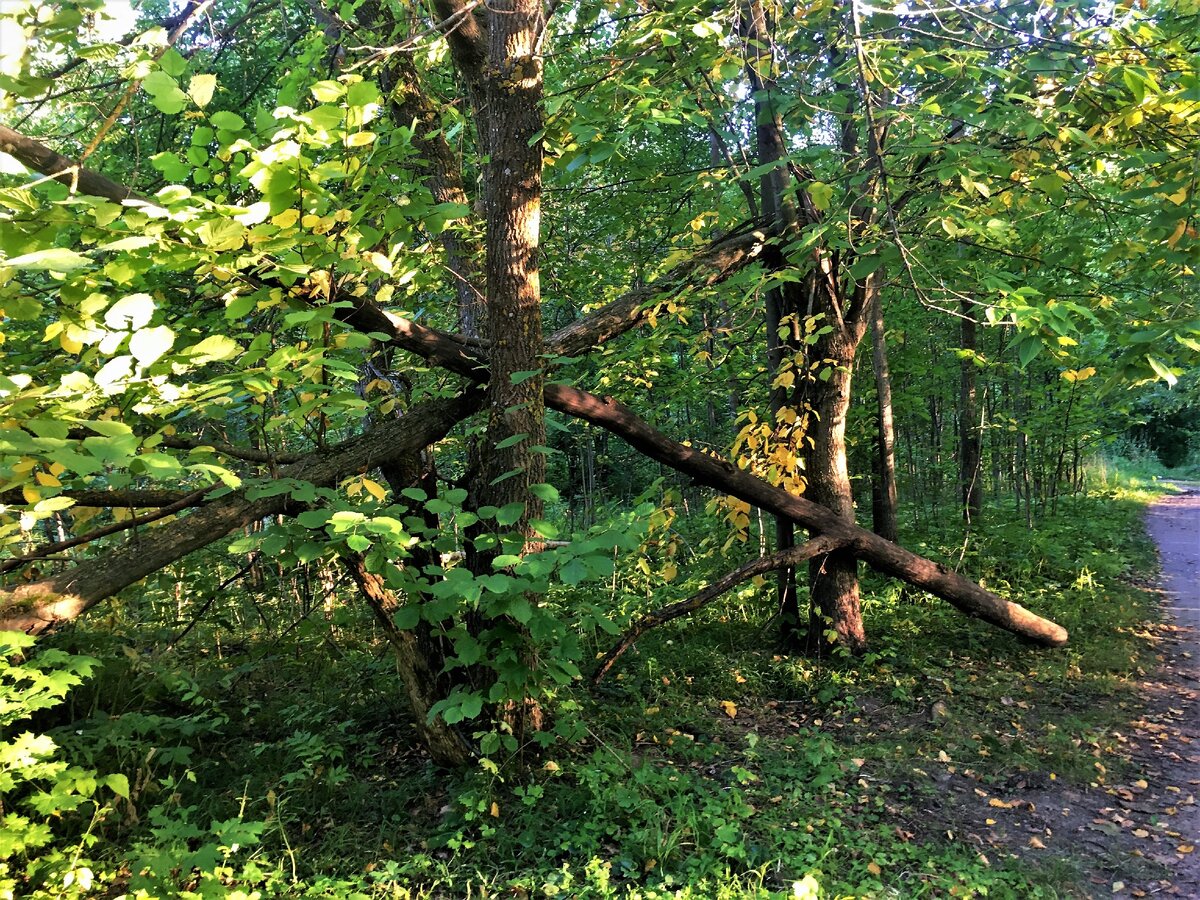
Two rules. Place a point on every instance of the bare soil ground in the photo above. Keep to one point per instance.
(1137, 837)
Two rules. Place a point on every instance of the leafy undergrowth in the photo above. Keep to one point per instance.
(711, 766)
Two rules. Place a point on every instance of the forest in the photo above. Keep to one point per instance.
(641, 449)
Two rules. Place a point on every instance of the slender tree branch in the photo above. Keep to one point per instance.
(45, 550)
(783, 559)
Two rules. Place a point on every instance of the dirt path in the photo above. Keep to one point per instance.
(1136, 835)
(1166, 741)
(1174, 524)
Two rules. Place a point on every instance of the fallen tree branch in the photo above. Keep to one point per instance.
(880, 554)
(245, 454)
(784, 559)
(453, 353)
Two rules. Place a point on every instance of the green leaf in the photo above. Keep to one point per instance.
(54, 259)
(132, 312)
(821, 194)
(149, 344)
(118, 784)
(407, 617)
(1162, 370)
(546, 492)
(215, 348)
(510, 514)
(227, 121)
(574, 572)
(327, 92)
(510, 441)
(1029, 348)
(172, 62)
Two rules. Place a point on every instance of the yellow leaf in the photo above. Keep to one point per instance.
(374, 488)
(989, 821)
(309, 221)
(1185, 848)
(1180, 230)
(47, 480)
(69, 343)
(354, 488)
(30, 493)
(1141, 832)
(495, 810)
(670, 570)
(873, 868)
(1036, 843)
(287, 218)
(784, 379)
(730, 708)
(360, 138)
(1000, 804)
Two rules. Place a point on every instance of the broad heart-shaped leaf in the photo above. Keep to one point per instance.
(227, 120)
(54, 259)
(201, 89)
(134, 312)
(164, 93)
(149, 344)
(214, 348)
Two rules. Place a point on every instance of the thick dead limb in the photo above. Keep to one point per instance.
(38, 606)
(783, 559)
(37, 156)
(420, 678)
(882, 555)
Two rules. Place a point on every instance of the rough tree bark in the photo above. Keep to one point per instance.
(513, 192)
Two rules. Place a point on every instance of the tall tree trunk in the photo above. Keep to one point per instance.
(969, 444)
(836, 613)
(513, 204)
(883, 486)
(513, 458)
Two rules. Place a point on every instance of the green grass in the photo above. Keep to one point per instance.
(297, 749)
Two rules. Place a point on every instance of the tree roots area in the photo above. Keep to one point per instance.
(256, 757)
